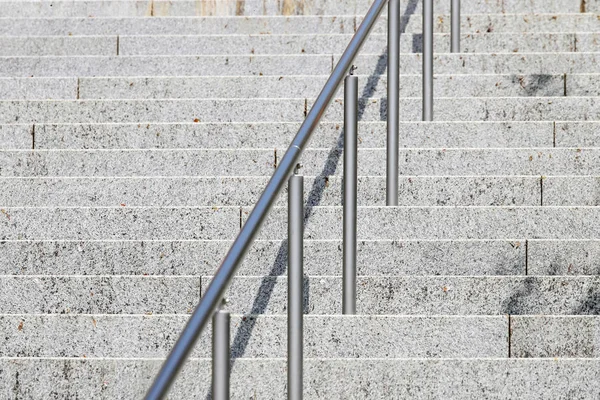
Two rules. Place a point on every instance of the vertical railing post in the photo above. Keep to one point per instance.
(350, 193)
(455, 26)
(295, 285)
(427, 60)
(220, 355)
(393, 102)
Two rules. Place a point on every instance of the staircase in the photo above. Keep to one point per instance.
(136, 136)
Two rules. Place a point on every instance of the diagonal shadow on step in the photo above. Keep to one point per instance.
(242, 336)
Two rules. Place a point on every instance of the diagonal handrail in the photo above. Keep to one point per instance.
(218, 285)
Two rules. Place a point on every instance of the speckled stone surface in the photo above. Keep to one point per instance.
(310, 86)
(572, 257)
(38, 88)
(252, 7)
(336, 44)
(572, 190)
(577, 134)
(411, 23)
(348, 379)
(477, 109)
(58, 46)
(144, 111)
(279, 135)
(148, 162)
(17, 136)
(492, 63)
(510, 22)
(98, 295)
(555, 336)
(244, 191)
(414, 295)
(257, 336)
(189, 25)
(264, 257)
(165, 65)
(376, 223)
(461, 162)
(119, 223)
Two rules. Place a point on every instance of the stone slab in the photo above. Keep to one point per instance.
(555, 336)
(149, 162)
(268, 258)
(127, 336)
(310, 86)
(347, 378)
(119, 223)
(58, 46)
(279, 135)
(432, 223)
(98, 295)
(572, 257)
(245, 191)
(414, 295)
(16, 136)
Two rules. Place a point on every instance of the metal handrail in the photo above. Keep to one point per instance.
(221, 280)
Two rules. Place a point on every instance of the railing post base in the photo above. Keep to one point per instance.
(220, 355)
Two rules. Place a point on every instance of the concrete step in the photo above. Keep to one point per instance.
(286, 44)
(302, 86)
(504, 109)
(255, 336)
(244, 191)
(433, 223)
(98, 294)
(269, 258)
(311, 24)
(122, 223)
(570, 190)
(488, 85)
(166, 65)
(476, 109)
(403, 257)
(507, 22)
(327, 44)
(491, 63)
(347, 378)
(110, 8)
(415, 295)
(279, 135)
(323, 223)
(58, 46)
(282, 65)
(555, 336)
(572, 257)
(437, 162)
(316, 162)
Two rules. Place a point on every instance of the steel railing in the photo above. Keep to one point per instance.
(211, 303)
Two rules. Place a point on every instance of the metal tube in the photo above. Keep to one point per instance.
(427, 60)
(295, 286)
(220, 355)
(350, 193)
(455, 28)
(393, 102)
(216, 289)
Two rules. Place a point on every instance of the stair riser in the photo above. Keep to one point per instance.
(257, 336)
(269, 258)
(221, 191)
(422, 295)
(293, 110)
(279, 135)
(98, 295)
(256, 7)
(336, 24)
(347, 379)
(278, 65)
